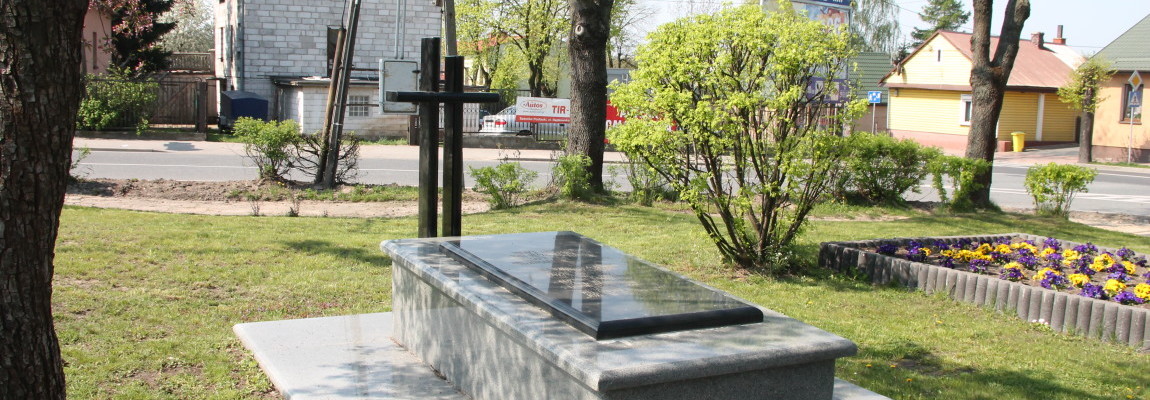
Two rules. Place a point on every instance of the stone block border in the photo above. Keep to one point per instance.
(1068, 313)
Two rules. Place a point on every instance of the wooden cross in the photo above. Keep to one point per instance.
(429, 99)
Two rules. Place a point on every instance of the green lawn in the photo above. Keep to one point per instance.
(144, 302)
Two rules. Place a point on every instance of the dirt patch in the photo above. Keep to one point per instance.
(223, 198)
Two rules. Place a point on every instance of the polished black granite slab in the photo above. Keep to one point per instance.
(597, 289)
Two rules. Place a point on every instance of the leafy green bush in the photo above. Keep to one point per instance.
(503, 182)
(647, 186)
(116, 101)
(881, 168)
(721, 107)
(571, 177)
(269, 145)
(960, 173)
(1053, 186)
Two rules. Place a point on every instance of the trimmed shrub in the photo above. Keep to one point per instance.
(269, 145)
(881, 168)
(1053, 186)
(504, 183)
(116, 101)
(960, 173)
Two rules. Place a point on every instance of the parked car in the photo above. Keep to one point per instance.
(504, 123)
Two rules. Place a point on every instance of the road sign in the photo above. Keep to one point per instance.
(874, 96)
(1135, 80)
(1135, 99)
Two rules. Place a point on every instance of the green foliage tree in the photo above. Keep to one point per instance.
(1053, 186)
(626, 17)
(729, 110)
(1081, 93)
(876, 25)
(138, 50)
(535, 28)
(193, 31)
(477, 40)
(942, 15)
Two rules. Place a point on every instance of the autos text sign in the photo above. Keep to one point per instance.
(542, 109)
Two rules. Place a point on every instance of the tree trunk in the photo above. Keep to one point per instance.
(1086, 138)
(590, 29)
(40, 90)
(988, 78)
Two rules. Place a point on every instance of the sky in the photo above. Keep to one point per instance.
(1088, 25)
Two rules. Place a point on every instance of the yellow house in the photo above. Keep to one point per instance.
(930, 91)
(1119, 135)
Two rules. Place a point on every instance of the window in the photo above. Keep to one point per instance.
(1126, 110)
(965, 110)
(354, 110)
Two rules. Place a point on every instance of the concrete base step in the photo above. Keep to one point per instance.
(354, 357)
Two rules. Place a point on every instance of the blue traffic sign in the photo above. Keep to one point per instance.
(874, 96)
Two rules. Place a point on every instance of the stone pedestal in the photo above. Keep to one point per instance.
(492, 343)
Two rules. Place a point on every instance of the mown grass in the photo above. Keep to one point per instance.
(144, 302)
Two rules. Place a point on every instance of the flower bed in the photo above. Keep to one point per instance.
(1075, 288)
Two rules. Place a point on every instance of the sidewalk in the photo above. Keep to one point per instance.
(390, 152)
(1061, 154)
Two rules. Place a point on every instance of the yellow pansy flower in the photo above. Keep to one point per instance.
(1114, 286)
(1079, 280)
(1142, 291)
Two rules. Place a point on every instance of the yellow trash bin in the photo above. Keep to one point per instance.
(1019, 140)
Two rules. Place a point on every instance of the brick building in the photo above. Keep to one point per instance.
(278, 49)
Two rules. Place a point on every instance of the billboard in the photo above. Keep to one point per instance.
(830, 16)
(835, 3)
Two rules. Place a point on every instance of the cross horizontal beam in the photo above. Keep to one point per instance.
(441, 97)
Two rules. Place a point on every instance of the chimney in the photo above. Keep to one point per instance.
(1036, 38)
(1058, 39)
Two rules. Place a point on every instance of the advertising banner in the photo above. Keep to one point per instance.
(542, 109)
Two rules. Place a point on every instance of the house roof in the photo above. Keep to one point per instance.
(1048, 66)
(1128, 51)
(871, 68)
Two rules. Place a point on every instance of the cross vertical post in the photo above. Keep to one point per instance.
(453, 149)
(428, 139)
(429, 99)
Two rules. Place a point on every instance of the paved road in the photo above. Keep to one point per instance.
(1115, 190)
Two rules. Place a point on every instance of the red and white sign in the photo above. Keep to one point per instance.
(542, 109)
(613, 116)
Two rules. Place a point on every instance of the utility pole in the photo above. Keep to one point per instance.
(333, 140)
(449, 27)
(329, 111)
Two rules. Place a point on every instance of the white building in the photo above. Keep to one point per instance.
(278, 49)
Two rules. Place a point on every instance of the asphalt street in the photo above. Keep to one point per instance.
(1121, 190)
